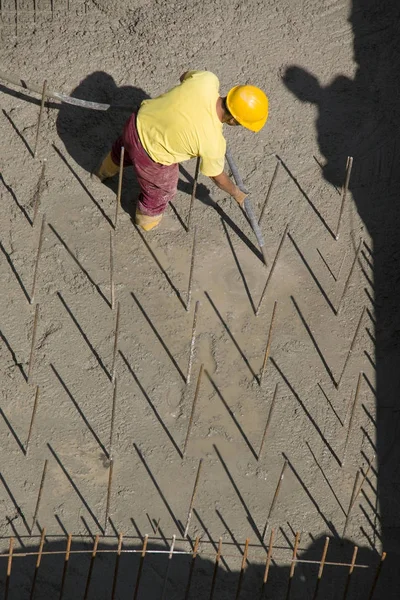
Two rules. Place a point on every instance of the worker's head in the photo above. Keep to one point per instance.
(228, 118)
(246, 105)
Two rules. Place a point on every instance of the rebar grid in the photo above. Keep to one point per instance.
(167, 552)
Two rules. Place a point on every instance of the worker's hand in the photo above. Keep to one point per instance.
(240, 196)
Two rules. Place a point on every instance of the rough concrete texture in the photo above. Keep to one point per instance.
(330, 69)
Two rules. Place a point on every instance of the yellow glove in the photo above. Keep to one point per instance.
(240, 196)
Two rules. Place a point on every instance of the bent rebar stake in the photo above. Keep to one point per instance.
(196, 484)
(40, 118)
(193, 196)
(345, 188)
(247, 206)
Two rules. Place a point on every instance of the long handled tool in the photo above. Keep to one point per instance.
(247, 206)
(32, 87)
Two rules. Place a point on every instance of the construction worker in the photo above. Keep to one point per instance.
(183, 123)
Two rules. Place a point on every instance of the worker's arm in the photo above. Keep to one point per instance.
(226, 184)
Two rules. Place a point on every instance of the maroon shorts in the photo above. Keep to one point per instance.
(158, 183)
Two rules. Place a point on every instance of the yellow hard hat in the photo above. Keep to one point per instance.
(248, 105)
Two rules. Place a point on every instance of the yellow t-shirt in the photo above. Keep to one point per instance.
(183, 123)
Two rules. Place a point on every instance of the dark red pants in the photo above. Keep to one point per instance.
(158, 183)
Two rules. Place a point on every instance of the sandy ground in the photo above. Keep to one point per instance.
(119, 53)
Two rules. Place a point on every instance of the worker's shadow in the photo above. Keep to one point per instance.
(343, 121)
(88, 134)
(360, 117)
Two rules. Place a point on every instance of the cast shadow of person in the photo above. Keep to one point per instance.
(88, 134)
(360, 117)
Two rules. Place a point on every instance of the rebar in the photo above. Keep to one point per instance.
(170, 555)
(193, 196)
(271, 185)
(192, 342)
(38, 561)
(242, 568)
(341, 264)
(112, 283)
(116, 335)
(118, 197)
(114, 587)
(39, 496)
(345, 188)
(272, 268)
(378, 572)
(192, 564)
(364, 478)
(114, 404)
(196, 395)
(271, 410)
(92, 559)
(38, 191)
(189, 292)
(66, 561)
(351, 346)
(165, 552)
(35, 405)
(40, 117)
(293, 564)
(110, 476)
(267, 563)
(275, 498)
(196, 484)
(346, 285)
(9, 566)
(352, 497)
(139, 575)
(351, 569)
(33, 344)
(269, 341)
(39, 250)
(216, 565)
(356, 492)
(352, 416)
(321, 567)
(157, 526)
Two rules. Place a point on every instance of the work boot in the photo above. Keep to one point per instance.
(107, 169)
(147, 222)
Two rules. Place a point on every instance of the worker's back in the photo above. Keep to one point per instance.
(183, 123)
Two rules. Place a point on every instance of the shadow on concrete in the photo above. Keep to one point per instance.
(180, 578)
(360, 117)
(88, 134)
